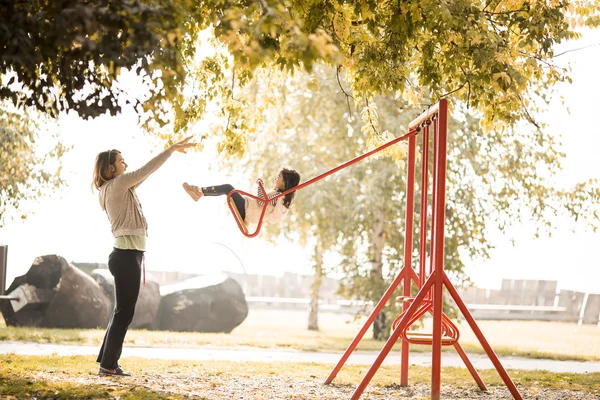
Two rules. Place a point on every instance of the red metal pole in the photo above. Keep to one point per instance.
(408, 247)
(386, 296)
(348, 163)
(470, 366)
(434, 184)
(438, 249)
(484, 343)
(393, 338)
(424, 205)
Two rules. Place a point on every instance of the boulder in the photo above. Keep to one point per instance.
(147, 304)
(202, 304)
(55, 294)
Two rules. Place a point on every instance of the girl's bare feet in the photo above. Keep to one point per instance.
(194, 192)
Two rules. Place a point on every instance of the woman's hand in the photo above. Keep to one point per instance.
(181, 146)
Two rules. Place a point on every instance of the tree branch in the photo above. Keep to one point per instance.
(268, 12)
(232, 84)
(228, 118)
(454, 91)
(529, 117)
(577, 49)
(503, 12)
(348, 96)
(540, 59)
(370, 120)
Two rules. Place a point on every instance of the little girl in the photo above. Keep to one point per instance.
(117, 196)
(250, 209)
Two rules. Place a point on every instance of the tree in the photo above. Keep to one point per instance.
(282, 116)
(496, 56)
(27, 168)
(67, 55)
(493, 180)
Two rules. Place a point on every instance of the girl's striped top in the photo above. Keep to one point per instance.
(261, 194)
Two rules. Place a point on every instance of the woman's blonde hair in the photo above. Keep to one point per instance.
(102, 172)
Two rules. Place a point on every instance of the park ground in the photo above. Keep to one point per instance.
(53, 376)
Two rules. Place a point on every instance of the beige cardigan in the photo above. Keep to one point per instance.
(117, 197)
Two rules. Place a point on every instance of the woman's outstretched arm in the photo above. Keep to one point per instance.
(135, 178)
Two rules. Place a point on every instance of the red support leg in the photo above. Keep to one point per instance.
(424, 206)
(437, 247)
(436, 345)
(408, 247)
(470, 366)
(486, 346)
(393, 338)
(434, 185)
(368, 323)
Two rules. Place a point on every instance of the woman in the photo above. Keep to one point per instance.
(129, 228)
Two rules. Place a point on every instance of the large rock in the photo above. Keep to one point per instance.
(59, 296)
(148, 300)
(202, 304)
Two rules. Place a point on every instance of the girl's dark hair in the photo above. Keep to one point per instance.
(291, 179)
(102, 172)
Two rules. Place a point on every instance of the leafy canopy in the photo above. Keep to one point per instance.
(66, 55)
(496, 55)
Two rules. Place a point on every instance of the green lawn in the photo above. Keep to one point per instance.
(287, 329)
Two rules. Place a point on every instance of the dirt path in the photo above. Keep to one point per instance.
(219, 387)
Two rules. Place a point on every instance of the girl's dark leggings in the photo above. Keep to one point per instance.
(223, 190)
(126, 267)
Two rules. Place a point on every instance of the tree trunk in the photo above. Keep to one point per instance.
(380, 325)
(313, 315)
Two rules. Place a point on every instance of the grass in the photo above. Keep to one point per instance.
(287, 329)
(74, 377)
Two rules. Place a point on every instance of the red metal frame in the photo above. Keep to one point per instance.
(430, 284)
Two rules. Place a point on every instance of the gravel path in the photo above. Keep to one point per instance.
(480, 361)
(217, 387)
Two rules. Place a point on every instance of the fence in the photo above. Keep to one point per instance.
(516, 299)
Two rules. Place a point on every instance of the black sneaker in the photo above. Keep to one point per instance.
(113, 372)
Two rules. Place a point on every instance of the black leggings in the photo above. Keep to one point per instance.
(223, 190)
(126, 267)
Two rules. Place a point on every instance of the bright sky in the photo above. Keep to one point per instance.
(570, 258)
(202, 237)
